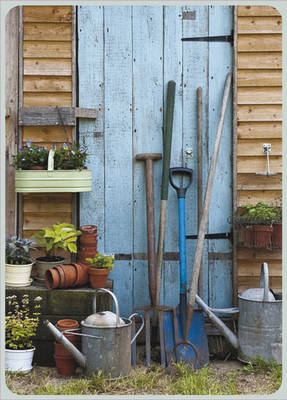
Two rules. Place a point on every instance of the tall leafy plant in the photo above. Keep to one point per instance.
(60, 236)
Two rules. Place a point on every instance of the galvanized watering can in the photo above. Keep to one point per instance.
(106, 342)
(259, 324)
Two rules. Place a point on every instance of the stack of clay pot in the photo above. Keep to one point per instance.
(66, 275)
(88, 243)
(65, 363)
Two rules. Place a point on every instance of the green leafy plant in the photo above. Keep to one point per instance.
(30, 156)
(17, 250)
(21, 322)
(70, 158)
(261, 212)
(62, 235)
(102, 261)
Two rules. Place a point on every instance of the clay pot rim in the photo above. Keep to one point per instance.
(89, 229)
(52, 271)
(69, 322)
(62, 276)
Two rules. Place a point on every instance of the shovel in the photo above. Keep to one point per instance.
(193, 349)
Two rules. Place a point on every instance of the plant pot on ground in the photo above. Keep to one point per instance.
(99, 269)
(21, 323)
(60, 236)
(18, 262)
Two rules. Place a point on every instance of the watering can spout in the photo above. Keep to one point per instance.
(227, 333)
(78, 356)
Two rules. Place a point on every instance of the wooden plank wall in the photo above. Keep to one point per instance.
(259, 114)
(47, 81)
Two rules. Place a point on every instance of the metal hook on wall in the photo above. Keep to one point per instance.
(267, 150)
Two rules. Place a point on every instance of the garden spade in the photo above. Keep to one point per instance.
(194, 348)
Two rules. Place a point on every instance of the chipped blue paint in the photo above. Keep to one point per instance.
(126, 57)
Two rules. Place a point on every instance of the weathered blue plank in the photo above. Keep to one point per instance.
(195, 74)
(148, 102)
(91, 94)
(172, 71)
(220, 63)
(119, 147)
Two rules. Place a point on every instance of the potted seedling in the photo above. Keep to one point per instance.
(60, 236)
(256, 225)
(99, 269)
(21, 323)
(18, 261)
(66, 171)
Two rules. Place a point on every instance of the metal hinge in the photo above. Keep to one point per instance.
(226, 38)
(224, 235)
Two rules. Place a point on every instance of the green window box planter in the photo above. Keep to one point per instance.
(30, 181)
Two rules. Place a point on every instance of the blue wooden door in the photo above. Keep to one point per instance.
(126, 56)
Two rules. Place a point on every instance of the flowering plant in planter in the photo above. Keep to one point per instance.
(31, 156)
(21, 322)
(73, 157)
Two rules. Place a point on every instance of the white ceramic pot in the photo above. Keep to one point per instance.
(19, 360)
(18, 275)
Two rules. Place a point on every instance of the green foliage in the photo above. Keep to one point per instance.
(62, 235)
(102, 261)
(30, 156)
(262, 212)
(70, 158)
(21, 322)
(17, 250)
(200, 382)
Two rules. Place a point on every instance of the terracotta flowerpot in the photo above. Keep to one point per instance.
(89, 236)
(65, 324)
(66, 365)
(245, 235)
(83, 276)
(62, 283)
(85, 252)
(98, 277)
(262, 236)
(277, 236)
(52, 278)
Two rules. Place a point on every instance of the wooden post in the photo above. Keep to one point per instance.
(11, 119)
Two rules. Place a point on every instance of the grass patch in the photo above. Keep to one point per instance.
(200, 382)
(269, 368)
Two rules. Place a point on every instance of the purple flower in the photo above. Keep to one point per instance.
(28, 143)
(65, 146)
(21, 148)
(54, 146)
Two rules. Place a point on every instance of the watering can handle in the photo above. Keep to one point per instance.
(141, 327)
(115, 301)
(264, 281)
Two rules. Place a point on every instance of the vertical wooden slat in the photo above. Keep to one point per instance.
(148, 95)
(220, 64)
(11, 119)
(234, 159)
(20, 212)
(91, 94)
(195, 74)
(172, 71)
(118, 135)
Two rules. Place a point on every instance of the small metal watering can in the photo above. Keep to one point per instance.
(105, 348)
(259, 324)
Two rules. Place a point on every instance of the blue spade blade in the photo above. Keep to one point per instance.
(197, 336)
